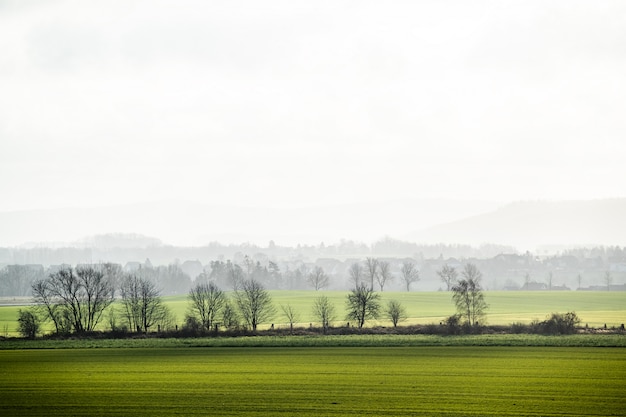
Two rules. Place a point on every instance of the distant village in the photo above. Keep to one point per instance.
(175, 269)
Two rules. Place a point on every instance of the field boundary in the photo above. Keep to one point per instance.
(360, 340)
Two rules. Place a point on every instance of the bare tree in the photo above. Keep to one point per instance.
(356, 273)
(608, 280)
(74, 298)
(448, 275)
(363, 304)
(384, 274)
(235, 274)
(550, 278)
(206, 302)
(324, 311)
(470, 271)
(410, 274)
(275, 276)
(468, 296)
(112, 273)
(248, 264)
(141, 302)
(526, 280)
(97, 292)
(371, 270)
(50, 308)
(254, 302)
(317, 278)
(291, 315)
(396, 312)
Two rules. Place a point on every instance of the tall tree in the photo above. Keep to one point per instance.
(98, 294)
(448, 275)
(363, 304)
(356, 273)
(49, 307)
(371, 270)
(171, 279)
(219, 273)
(324, 311)
(526, 281)
(141, 302)
(275, 276)
(471, 271)
(550, 278)
(254, 302)
(410, 274)
(206, 300)
(291, 314)
(608, 280)
(317, 278)
(113, 273)
(468, 296)
(249, 266)
(384, 274)
(74, 299)
(235, 274)
(396, 312)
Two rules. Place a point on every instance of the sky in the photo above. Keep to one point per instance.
(292, 104)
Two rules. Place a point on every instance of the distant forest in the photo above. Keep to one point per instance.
(321, 266)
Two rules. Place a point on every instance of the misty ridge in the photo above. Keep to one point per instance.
(314, 267)
(570, 263)
(525, 226)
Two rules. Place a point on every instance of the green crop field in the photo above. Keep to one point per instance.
(505, 307)
(331, 381)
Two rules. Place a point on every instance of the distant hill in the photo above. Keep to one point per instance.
(183, 223)
(523, 225)
(532, 224)
(119, 240)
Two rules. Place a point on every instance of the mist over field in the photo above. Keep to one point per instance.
(451, 130)
(531, 225)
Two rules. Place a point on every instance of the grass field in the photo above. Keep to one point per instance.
(505, 307)
(321, 341)
(393, 381)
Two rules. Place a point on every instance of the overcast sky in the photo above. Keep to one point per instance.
(297, 104)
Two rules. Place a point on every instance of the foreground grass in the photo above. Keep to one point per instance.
(355, 340)
(321, 381)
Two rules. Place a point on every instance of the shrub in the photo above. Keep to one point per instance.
(431, 328)
(517, 328)
(28, 324)
(559, 323)
(192, 324)
(230, 318)
(453, 324)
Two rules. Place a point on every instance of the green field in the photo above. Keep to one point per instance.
(505, 307)
(392, 381)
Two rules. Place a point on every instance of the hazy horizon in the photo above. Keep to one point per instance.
(289, 106)
(198, 224)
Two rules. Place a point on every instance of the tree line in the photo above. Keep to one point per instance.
(508, 272)
(76, 300)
